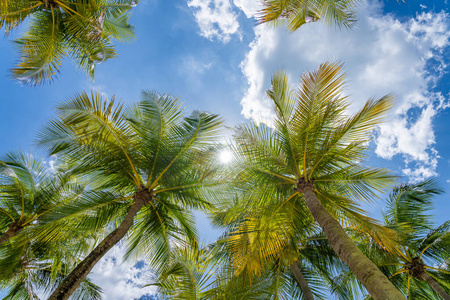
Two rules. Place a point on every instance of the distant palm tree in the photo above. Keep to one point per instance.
(189, 273)
(34, 269)
(207, 274)
(80, 29)
(425, 248)
(314, 155)
(28, 190)
(284, 236)
(149, 162)
(295, 13)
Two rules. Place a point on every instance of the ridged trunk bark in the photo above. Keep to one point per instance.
(376, 283)
(435, 286)
(12, 231)
(307, 293)
(73, 280)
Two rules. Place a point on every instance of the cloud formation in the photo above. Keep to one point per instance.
(122, 279)
(382, 55)
(249, 7)
(216, 19)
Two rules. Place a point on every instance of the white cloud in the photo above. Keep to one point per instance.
(382, 55)
(249, 7)
(215, 18)
(52, 163)
(192, 65)
(121, 279)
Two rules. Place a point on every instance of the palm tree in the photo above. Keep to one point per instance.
(295, 13)
(259, 239)
(36, 268)
(207, 273)
(189, 274)
(80, 29)
(425, 248)
(314, 155)
(28, 190)
(150, 164)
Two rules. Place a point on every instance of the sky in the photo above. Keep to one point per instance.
(215, 57)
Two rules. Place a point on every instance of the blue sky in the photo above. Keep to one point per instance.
(211, 54)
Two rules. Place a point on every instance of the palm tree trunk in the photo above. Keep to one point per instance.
(307, 293)
(376, 283)
(435, 286)
(12, 231)
(73, 280)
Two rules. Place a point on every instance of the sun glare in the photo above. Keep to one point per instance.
(225, 157)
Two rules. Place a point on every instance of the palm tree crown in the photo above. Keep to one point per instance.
(28, 190)
(80, 29)
(425, 248)
(146, 166)
(314, 153)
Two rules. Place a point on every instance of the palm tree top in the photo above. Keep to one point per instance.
(313, 137)
(79, 29)
(424, 247)
(151, 150)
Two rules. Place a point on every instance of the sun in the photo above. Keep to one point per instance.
(225, 157)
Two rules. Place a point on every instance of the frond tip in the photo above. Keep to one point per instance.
(296, 13)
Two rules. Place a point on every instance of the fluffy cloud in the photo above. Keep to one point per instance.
(122, 279)
(382, 55)
(249, 7)
(215, 18)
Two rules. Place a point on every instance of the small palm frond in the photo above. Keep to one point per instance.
(436, 244)
(295, 13)
(14, 12)
(407, 208)
(41, 49)
(189, 273)
(119, 28)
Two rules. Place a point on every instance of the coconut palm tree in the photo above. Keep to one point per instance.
(207, 273)
(295, 13)
(425, 248)
(259, 239)
(28, 190)
(152, 164)
(189, 273)
(314, 155)
(80, 29)
(33, 269)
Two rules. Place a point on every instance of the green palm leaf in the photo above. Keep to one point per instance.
(295, 13)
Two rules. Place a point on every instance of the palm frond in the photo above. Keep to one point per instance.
(295, 13)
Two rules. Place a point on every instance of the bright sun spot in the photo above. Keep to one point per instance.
(225, 157)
